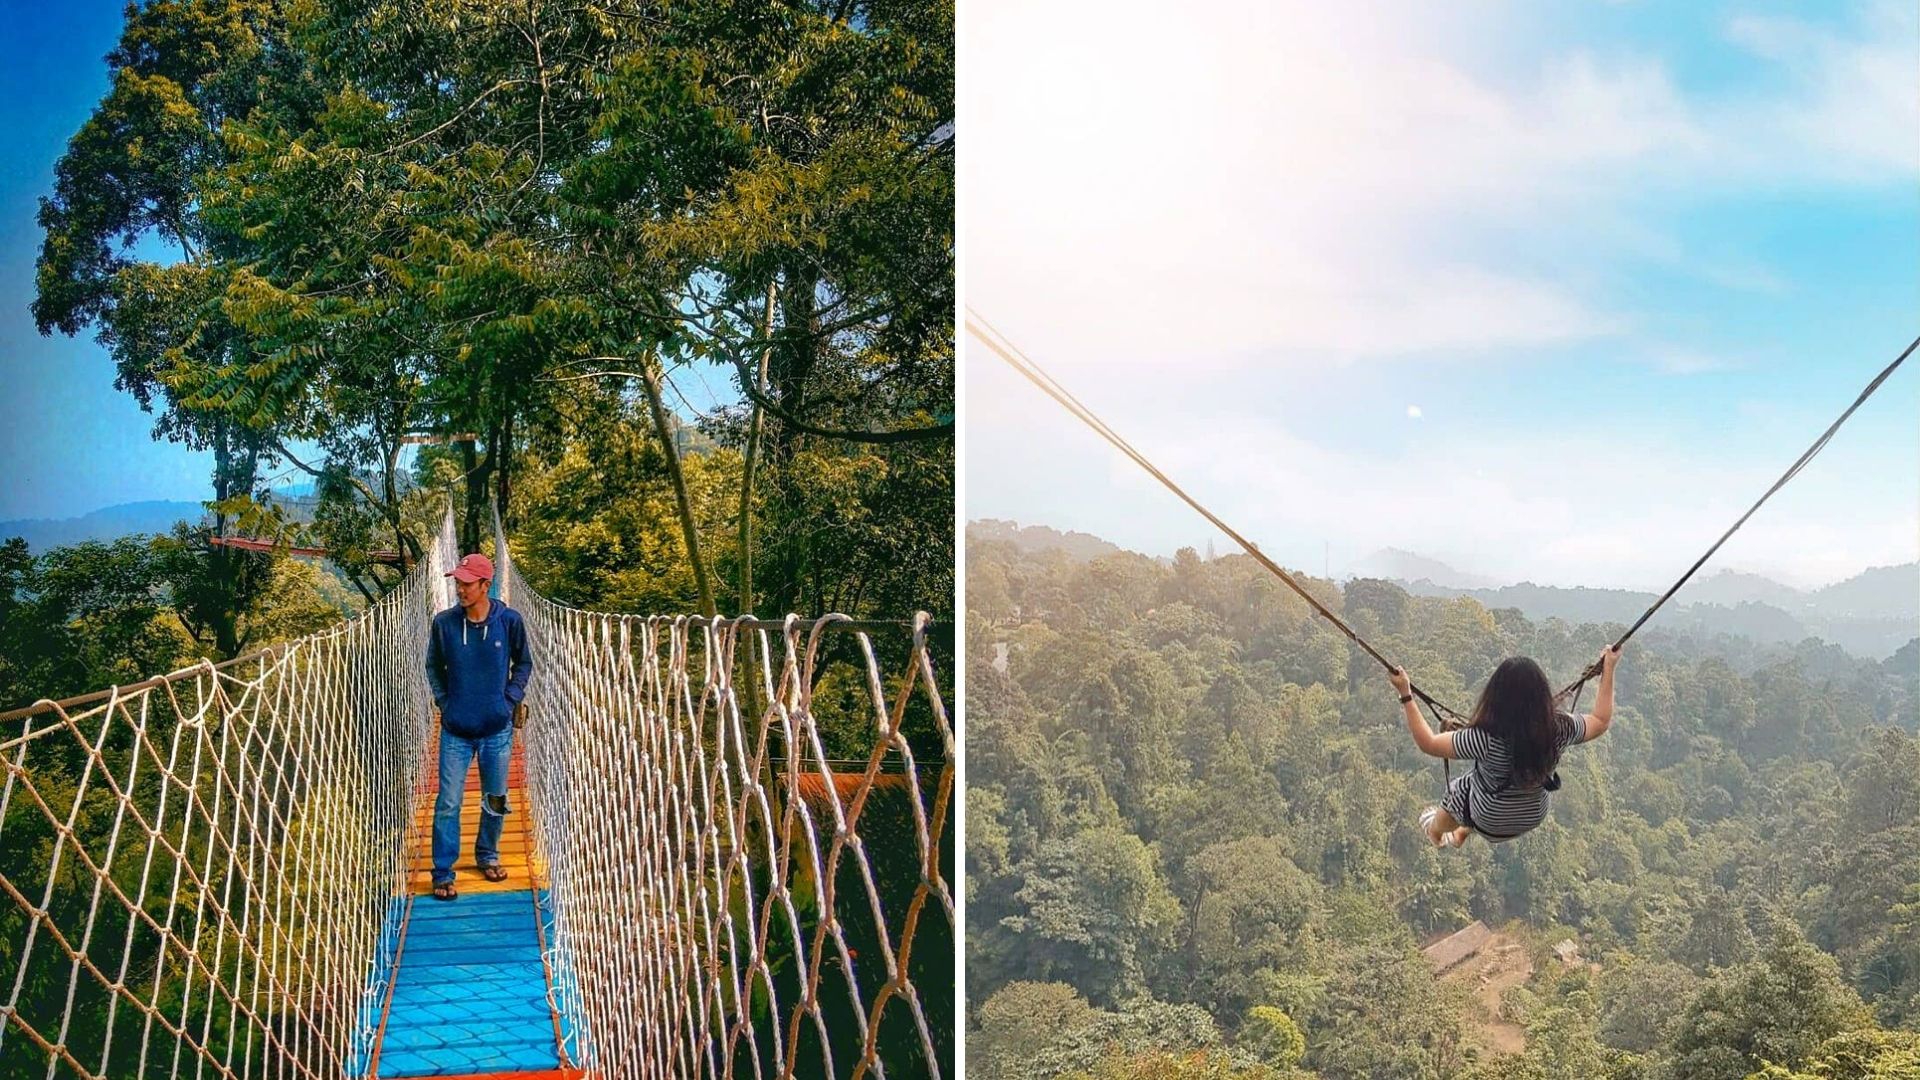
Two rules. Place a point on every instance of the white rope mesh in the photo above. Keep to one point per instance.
(204, 875)
(726, 898)
(200, 871)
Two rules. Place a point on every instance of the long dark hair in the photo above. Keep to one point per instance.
(1517, 708)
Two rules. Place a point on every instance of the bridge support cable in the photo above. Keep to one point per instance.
(727, 896)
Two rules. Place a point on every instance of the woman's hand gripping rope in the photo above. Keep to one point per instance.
(1432, 744)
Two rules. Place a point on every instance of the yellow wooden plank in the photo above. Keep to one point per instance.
(524, 869)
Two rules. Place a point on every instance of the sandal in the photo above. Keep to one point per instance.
(444, 890)
(494, 872)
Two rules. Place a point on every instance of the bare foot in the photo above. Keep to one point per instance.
(1460, 836)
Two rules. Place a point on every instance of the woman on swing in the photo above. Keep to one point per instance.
(1514, 740)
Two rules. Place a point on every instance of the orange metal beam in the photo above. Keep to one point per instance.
(247, 543)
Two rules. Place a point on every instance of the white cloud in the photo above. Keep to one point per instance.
(1569, 507)
(1152, 202)
(1679, 361)
(1854, 114)
(1413, 412)
(1303, 180)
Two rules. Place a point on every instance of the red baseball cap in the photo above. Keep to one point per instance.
(475, 567)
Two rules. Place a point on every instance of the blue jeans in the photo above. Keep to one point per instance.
(456, 758)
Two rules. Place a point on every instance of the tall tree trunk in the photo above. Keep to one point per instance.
(752, 457)
(477, 471)
(469, 463)
(650, 379)
(792, 361)
(791, 367)
(475, 525)
(227, 569)
(503, 471)
(409, 550)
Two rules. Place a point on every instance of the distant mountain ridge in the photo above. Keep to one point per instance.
(108, 523)
(1034, 539)
(296, 501)
(1873, 614)
(1397, 565)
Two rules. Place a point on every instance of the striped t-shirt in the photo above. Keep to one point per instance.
(1497, 808)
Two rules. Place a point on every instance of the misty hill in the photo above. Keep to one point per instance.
(156, 516)
(1731, 588)
(1882, 592)
(1870, 614)
(1397, 565)
(296, 502)
(1034, 539)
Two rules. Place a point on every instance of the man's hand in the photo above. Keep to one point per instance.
(1609, 657)
(1401, 681)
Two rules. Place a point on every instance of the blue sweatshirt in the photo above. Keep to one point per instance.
(478, 671)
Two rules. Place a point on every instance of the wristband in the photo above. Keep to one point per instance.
(1406, 698)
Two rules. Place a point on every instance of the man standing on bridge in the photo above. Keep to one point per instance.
(477, 663)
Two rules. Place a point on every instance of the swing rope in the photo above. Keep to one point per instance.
(1793, 470)
(1445, 718)
(1020, 362)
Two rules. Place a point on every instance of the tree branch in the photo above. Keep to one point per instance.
(898, 435)
(475, 103)
(365, 491)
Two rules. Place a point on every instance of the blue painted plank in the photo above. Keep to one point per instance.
(435, 912)
(468, 1026)
(484, 995)
(469, 979)
(459, 1062)
(429, 908)
(502, 923)
(445, 973)
(432, 963)
(484, 948)
(487, 968)
(516, 940)
(471, 995)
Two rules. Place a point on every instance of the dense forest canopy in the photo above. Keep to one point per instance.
(1191, 848)
(86, 616)
(671, 285)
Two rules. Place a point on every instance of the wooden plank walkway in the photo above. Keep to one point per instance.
(470, 993)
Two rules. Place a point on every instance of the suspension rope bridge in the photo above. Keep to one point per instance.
(214, 873)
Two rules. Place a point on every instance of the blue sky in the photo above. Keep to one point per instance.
(73, 443)
(1548, 291)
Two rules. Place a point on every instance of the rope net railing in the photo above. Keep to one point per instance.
(742, 848)
(199, 873)
(746, 828)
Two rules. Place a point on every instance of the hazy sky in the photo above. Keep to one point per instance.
(1549, 292)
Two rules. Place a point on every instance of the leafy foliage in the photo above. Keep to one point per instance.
(538, 226)
(92, 615)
